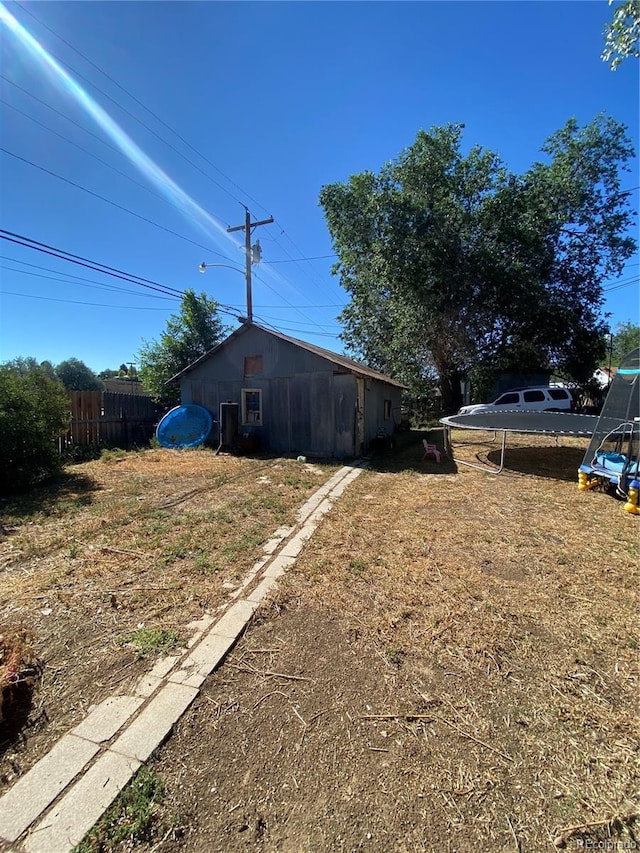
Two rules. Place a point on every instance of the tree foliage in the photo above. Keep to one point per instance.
(454, 265)
(34, 412)
(622, 33)
(188, 335)
(76, 376)
(625, 338)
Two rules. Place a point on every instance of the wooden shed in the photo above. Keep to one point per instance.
(268, 391)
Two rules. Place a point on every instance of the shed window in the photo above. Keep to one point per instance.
(252, 365)
(387, 410)
(251, 406)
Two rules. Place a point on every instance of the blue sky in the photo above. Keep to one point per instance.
(258, 104)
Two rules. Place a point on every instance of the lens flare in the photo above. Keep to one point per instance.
(145, 165)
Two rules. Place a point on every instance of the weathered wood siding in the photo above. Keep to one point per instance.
(308, 403)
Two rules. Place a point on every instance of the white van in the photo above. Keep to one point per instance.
(540, 398)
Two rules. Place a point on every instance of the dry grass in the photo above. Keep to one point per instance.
(507, 605)
(501, 612)
(134, 528)
(138, 540)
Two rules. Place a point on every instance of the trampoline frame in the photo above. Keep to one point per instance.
(557, 425)
(448, 446)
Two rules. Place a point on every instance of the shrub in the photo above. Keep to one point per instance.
(78, 453)
(34, 412)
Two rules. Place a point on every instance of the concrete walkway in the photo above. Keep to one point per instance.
(52, 807)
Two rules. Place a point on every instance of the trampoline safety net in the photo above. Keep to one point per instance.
(613, 451)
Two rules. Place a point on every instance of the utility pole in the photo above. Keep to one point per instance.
(610, 358)
(131, 364)
(248, 225)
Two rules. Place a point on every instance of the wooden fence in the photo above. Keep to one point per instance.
(113, 420)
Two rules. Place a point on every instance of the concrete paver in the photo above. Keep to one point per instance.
(235, 619)
(146, 685)
(155, 722)
(72, 817)
(174, 680)
(211, 651)
(279, 566)
(106, 718)
(296, 543)
(262, 590)
(164, 665)
(195, 676)
(38, 788)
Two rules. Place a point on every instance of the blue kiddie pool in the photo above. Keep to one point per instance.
(184, 426)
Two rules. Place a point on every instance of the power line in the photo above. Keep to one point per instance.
(150, 111)
(284, 299)
(96, 266)
(79, 277)
(289, 260)
(264, 322)
(113, 203)
(86, 151)
(81, 282)
(297, 260)
(98, 304)
(333, 305)
(621, 286)
(77, 302)
(104, 163)
(171, 130)
(101, 268)
(61, 114)
(133, 115)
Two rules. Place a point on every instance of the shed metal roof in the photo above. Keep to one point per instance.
(340, 360)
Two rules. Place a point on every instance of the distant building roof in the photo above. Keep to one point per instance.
(604, 375)
(125, 385)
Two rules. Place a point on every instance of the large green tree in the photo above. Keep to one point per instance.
(456, 266)
(625, 338)
(34, 411)
(188, 335)
(622, 33)
(76, 376)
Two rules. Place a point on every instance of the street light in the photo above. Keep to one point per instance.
(253, 255)
(203, 267)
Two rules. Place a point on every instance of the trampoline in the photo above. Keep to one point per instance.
(528, 423)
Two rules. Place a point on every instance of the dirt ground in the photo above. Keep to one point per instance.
(452, 665)
(102, 554)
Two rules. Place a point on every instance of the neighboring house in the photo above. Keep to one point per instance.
(267, 390)
(507, 381)
(125, 385)
(604, 376)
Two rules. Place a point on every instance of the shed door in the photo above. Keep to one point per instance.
(229, 420)
(359, 436)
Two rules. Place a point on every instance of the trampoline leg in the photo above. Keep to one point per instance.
(632, 501)
(584, 483)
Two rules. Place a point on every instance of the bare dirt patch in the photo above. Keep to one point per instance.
(146, 540)
(452, 665)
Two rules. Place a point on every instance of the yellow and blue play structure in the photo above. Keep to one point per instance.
(613, 455)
